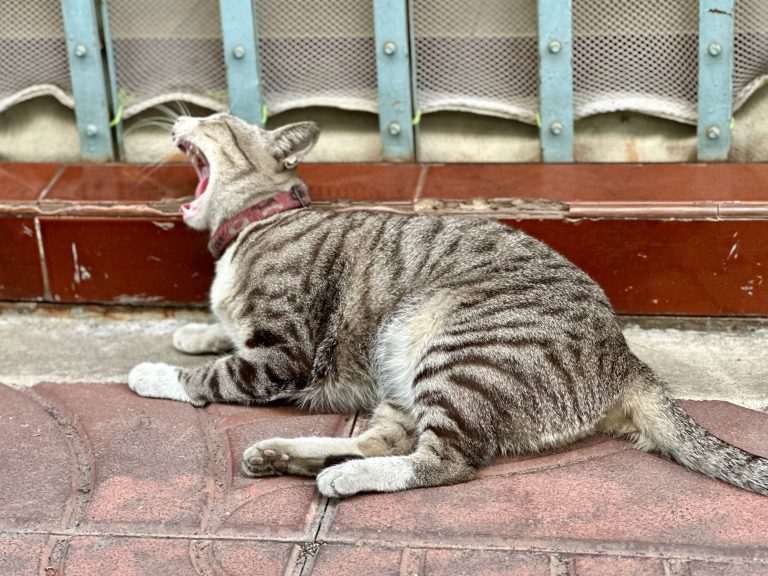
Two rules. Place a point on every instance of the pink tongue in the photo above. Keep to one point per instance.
(201, 186)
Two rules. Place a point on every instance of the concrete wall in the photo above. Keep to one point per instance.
(43, 130)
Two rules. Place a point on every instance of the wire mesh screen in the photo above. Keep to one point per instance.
(474, 56)
(750, 67)
(317, 53)
(477, 56)
(33, 52)
(640, 56)
(168, 50)
(627, 55)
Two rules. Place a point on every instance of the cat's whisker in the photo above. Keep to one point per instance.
(169, 112)
(183, 108)
(159, 122)
(149, 169)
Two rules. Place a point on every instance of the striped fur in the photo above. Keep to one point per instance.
(466, 338)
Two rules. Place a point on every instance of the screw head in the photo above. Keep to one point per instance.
(389, 48)
(91, 130)
(555, 46)
(238, 51)
(81, 50)
(714, 49)
(394, 128)
(713, 132)
(556, 128)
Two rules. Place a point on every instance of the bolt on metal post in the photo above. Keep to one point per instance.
(556, 128)
(555, 46)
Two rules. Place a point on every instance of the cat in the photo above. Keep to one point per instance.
(465, 338)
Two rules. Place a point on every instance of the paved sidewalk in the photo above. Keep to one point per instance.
(97, 481)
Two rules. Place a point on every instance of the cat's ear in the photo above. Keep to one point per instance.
(291, 143)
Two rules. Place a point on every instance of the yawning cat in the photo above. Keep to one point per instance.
(467, 339)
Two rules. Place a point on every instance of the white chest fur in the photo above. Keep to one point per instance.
(221, 296)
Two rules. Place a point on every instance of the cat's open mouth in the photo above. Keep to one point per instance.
(203, 169)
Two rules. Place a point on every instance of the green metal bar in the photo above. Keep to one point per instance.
(117, 108)
(89, 85)
(393, 72)
(715, 106)
(555, 45)
(239, 29)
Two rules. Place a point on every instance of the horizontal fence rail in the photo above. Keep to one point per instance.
(541, 61)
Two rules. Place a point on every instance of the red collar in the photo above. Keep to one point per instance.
(225, 234)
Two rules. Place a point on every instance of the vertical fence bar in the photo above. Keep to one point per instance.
(414, 80)
(715, 106)
(393, 72)
(241, 54)
(89, 87)
(117, 110)
(555, 80)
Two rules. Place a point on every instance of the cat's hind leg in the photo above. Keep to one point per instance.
(434, 463)
(390, 432)
(196, 338)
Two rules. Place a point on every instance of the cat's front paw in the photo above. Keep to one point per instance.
(157, 380)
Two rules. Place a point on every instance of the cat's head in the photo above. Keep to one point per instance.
(238, 163)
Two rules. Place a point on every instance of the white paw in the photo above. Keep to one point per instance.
(197, 338)
(343, 479)
(379, 474)
(157, 380)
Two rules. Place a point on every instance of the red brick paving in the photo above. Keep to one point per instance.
(95, 480)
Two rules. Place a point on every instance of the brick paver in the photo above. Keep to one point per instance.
(96, 480)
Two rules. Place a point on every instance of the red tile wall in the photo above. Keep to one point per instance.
(125, 261)
(21, 276)
(660, 239)
(698, 267)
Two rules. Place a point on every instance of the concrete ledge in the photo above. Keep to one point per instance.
(701, 359)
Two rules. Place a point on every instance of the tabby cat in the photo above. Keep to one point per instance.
(465, 338)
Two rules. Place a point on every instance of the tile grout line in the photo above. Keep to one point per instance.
(413, 561)
(54, 555)
(82, 474)
(676, 567)
(567, 547)
(559, 566)
(47, 295)
(328, 513)
(48, 187)
(420, 183)
(683, 554)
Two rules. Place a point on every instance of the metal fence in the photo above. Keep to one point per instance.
(547, 62)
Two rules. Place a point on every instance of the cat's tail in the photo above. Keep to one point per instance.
(662, 426)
